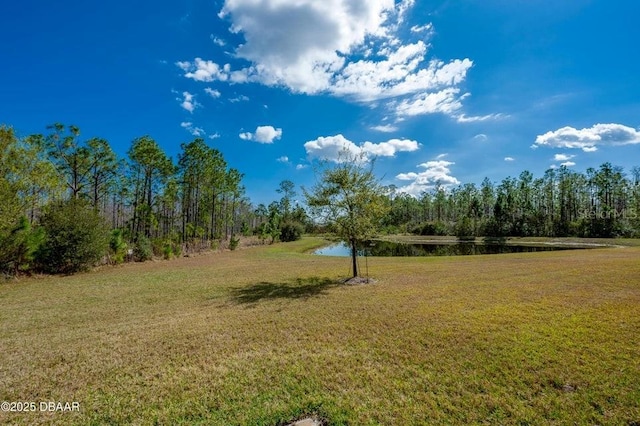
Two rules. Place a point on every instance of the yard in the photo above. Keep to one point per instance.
(266, 335)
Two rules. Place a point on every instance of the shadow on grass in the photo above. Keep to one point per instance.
(301, 288)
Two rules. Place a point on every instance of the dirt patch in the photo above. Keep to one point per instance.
(359, 281)
(310, 421)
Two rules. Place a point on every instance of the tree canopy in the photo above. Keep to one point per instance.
(350, 199)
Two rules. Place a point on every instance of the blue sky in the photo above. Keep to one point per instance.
(449, 91)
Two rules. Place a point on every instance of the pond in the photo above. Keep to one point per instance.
(438, 248)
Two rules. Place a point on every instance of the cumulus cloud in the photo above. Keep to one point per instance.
(344, 48)
(509, 159)
(568, 164)
(283, 159)
(589, 139)
(263, 134)
(435, 172)
(207, 71)
(188, 102)
(340, 149)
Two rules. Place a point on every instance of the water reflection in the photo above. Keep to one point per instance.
(388, 248)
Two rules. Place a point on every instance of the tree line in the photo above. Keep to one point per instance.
(602, 202)
(67, 202)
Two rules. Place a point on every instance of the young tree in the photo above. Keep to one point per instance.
(287, 189)
(350, 198)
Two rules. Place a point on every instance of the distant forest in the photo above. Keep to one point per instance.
(601, 203)
(67, 203)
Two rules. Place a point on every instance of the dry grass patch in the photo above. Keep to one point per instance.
(267, 335)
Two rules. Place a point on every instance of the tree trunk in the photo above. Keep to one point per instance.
(354, 255)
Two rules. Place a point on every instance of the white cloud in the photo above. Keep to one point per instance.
(390, 147)
(188, 102)
(481, 137)
(589, 139)
(339, 149)
(562, 157)
(241, 98)
(568, 164)
(212, 92)
(263, 134)
(217, 40)
(267, 134)
(332, 147)
(509, 159)
(216, 135)
(387, 128)
(207, 71)
(446, 101)
(436, 172)
(301, 166)
(283, 159)
(195, 131)
(422, 28)
(403, 8)
(462, 118)
(343, 48)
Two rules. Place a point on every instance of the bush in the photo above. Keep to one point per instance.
(233, 243)
(291, 231)
(168, 247)
(19, 246)
(167, 250)
(76, 238)
(118, 246)
(142, 250)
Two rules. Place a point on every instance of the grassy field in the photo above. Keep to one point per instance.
(265, 335)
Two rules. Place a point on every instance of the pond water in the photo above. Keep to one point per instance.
(388, 248)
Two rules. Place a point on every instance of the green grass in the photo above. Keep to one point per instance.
(264, 335)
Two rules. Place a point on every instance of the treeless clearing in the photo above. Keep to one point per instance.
(266, 335)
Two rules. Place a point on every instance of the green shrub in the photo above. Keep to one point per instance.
(291, 231)
(76, 238)
(233, 243)
(167, 250)
(142, 251)
(18, 247)
(118, 246)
